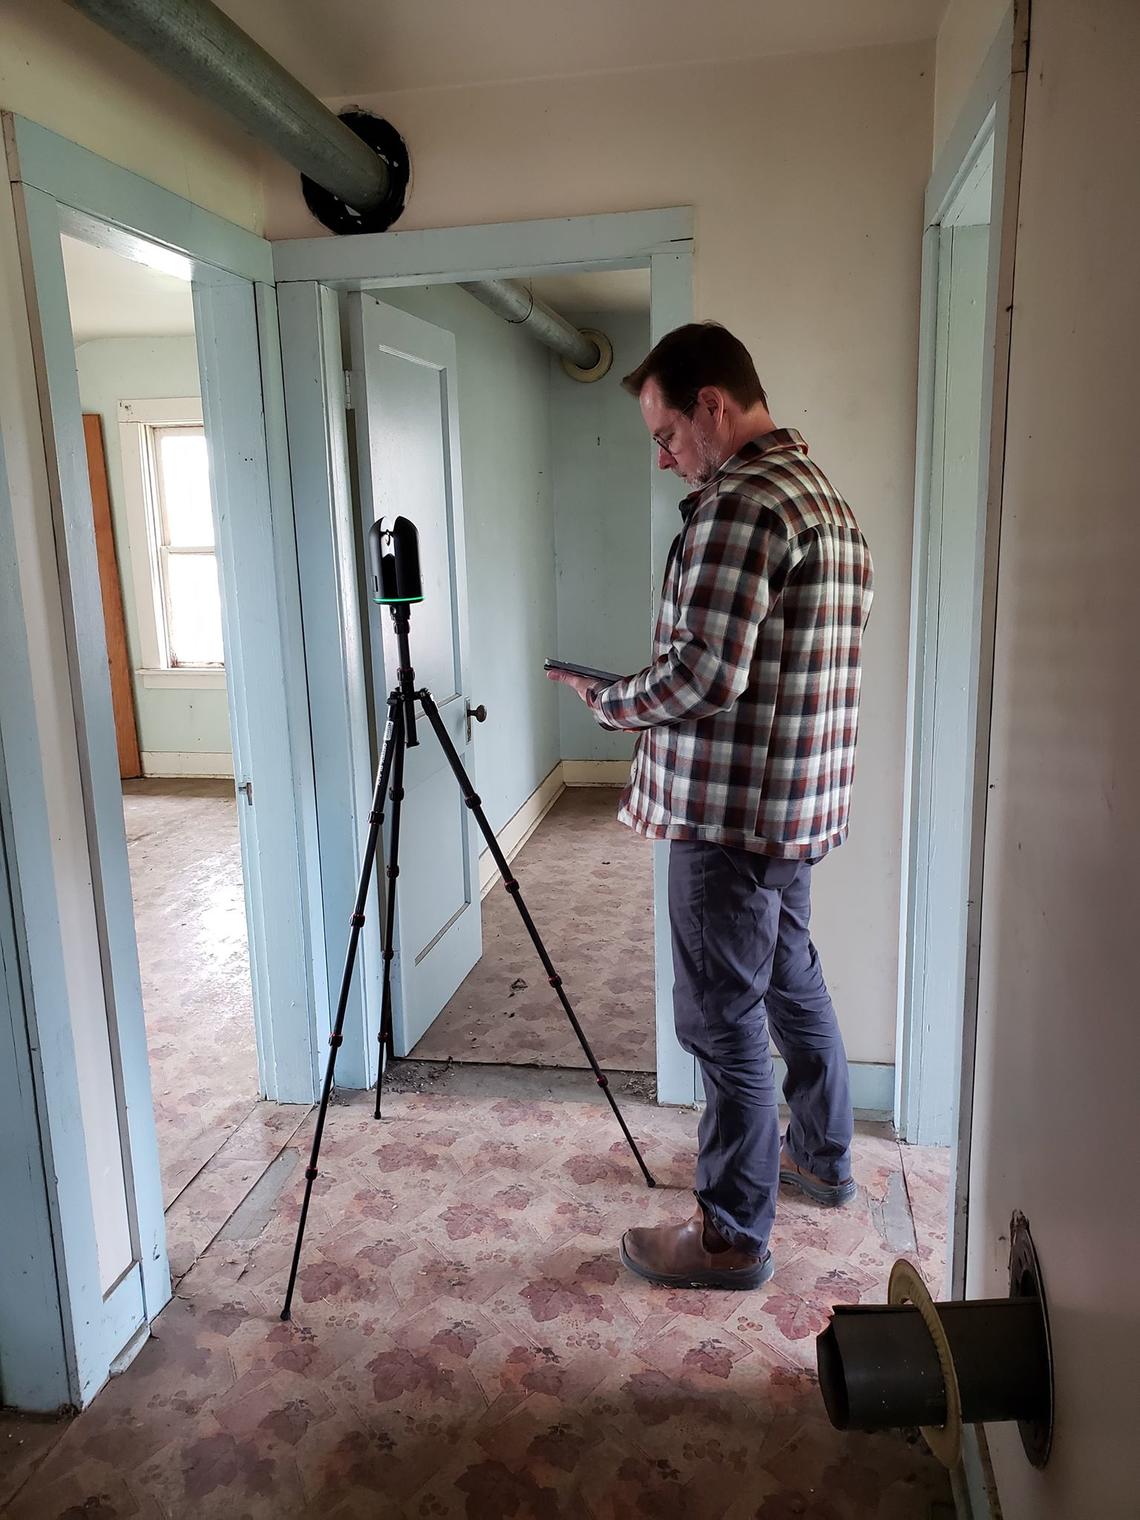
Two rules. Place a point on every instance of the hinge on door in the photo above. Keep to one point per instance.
(247, 788)
(348, 402)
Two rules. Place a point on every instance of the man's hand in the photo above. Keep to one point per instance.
(581, 684)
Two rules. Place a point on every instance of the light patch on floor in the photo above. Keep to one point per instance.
(185, 862)
(588, 884)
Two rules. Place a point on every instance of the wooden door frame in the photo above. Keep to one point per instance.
(58, 187)
(111, 585)
(309, 272)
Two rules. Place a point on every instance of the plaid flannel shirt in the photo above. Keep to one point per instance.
(750, 708)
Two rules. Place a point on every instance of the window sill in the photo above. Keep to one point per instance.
(208, 678)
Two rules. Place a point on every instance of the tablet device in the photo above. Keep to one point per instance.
(604, 677)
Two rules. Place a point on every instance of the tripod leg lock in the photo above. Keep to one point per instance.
(473, 801)
(512, 886)
(310, 1173)
(357, 920)
(392, 872)
(555, 981)
(397, 794)
(336, 1041)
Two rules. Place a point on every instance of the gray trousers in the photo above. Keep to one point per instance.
(744, 963)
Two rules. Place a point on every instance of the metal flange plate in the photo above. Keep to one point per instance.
(906, 1286)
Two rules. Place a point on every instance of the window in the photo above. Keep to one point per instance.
(173, 555)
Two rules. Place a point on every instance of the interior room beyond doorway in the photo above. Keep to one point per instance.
(555, 522)
(136, 360)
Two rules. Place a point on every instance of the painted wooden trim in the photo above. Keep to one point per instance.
(334, 653)
(37, 1357)
(1009, 135)
(127, 214)
(670, 304)
(595, 772)
(872, 1088)
(175, 411)
(170, 763)
(445, 254)
(184, 677)
(61, 418)
(255, 563)
(514, 834)
(911, 945)
(114, 622)
(294, 677)
(959, 152)
(65, 1353)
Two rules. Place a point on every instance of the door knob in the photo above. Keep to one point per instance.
(478, 713)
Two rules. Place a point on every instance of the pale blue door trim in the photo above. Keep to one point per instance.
(659, 240)
(61, 187)
(141, 1293)
(616, 240)
(126, 208)
(39, 1365)
(257, 562)
(670, 305)
(993, 115)
(334, 640)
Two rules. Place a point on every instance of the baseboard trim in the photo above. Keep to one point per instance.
(872, 1087)
(513, 835)
(171, 763)
(595, 772)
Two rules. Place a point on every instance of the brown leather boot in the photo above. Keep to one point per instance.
(692, 1255)
(832, 1195)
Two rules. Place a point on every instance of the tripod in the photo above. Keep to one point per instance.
(400, 734)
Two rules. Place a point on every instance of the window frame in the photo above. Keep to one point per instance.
(138, 420)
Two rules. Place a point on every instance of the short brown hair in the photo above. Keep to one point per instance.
(693, 356)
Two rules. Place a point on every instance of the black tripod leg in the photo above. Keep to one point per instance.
(431, 712)
(392, 748)
(389, 947)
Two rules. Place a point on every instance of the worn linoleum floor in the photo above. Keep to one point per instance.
(465, 1342)
(588, 883)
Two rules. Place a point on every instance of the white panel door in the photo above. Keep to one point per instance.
(404, 386)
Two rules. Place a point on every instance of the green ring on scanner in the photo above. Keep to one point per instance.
(388, 601)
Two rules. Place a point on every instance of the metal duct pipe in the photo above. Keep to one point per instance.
(203, 49)
(206, 51)
(514, 302)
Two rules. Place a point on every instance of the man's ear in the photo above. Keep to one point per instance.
(714, 401)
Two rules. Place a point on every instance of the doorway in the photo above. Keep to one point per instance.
(147, 454)
(555, 476)
(95, 1078)
(949, 549)
(313, 277)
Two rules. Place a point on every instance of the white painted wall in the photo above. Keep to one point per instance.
(508, 504)
(1058, 1037)
(174, 723)
(807, 175)
(601, 457)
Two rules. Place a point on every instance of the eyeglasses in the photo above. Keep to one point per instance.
(660, 442)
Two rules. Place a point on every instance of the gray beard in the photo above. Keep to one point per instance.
(707, 463)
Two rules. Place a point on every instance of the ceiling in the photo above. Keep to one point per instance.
(110, 297)
(346, 47)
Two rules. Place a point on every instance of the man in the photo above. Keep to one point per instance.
(747, 718)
